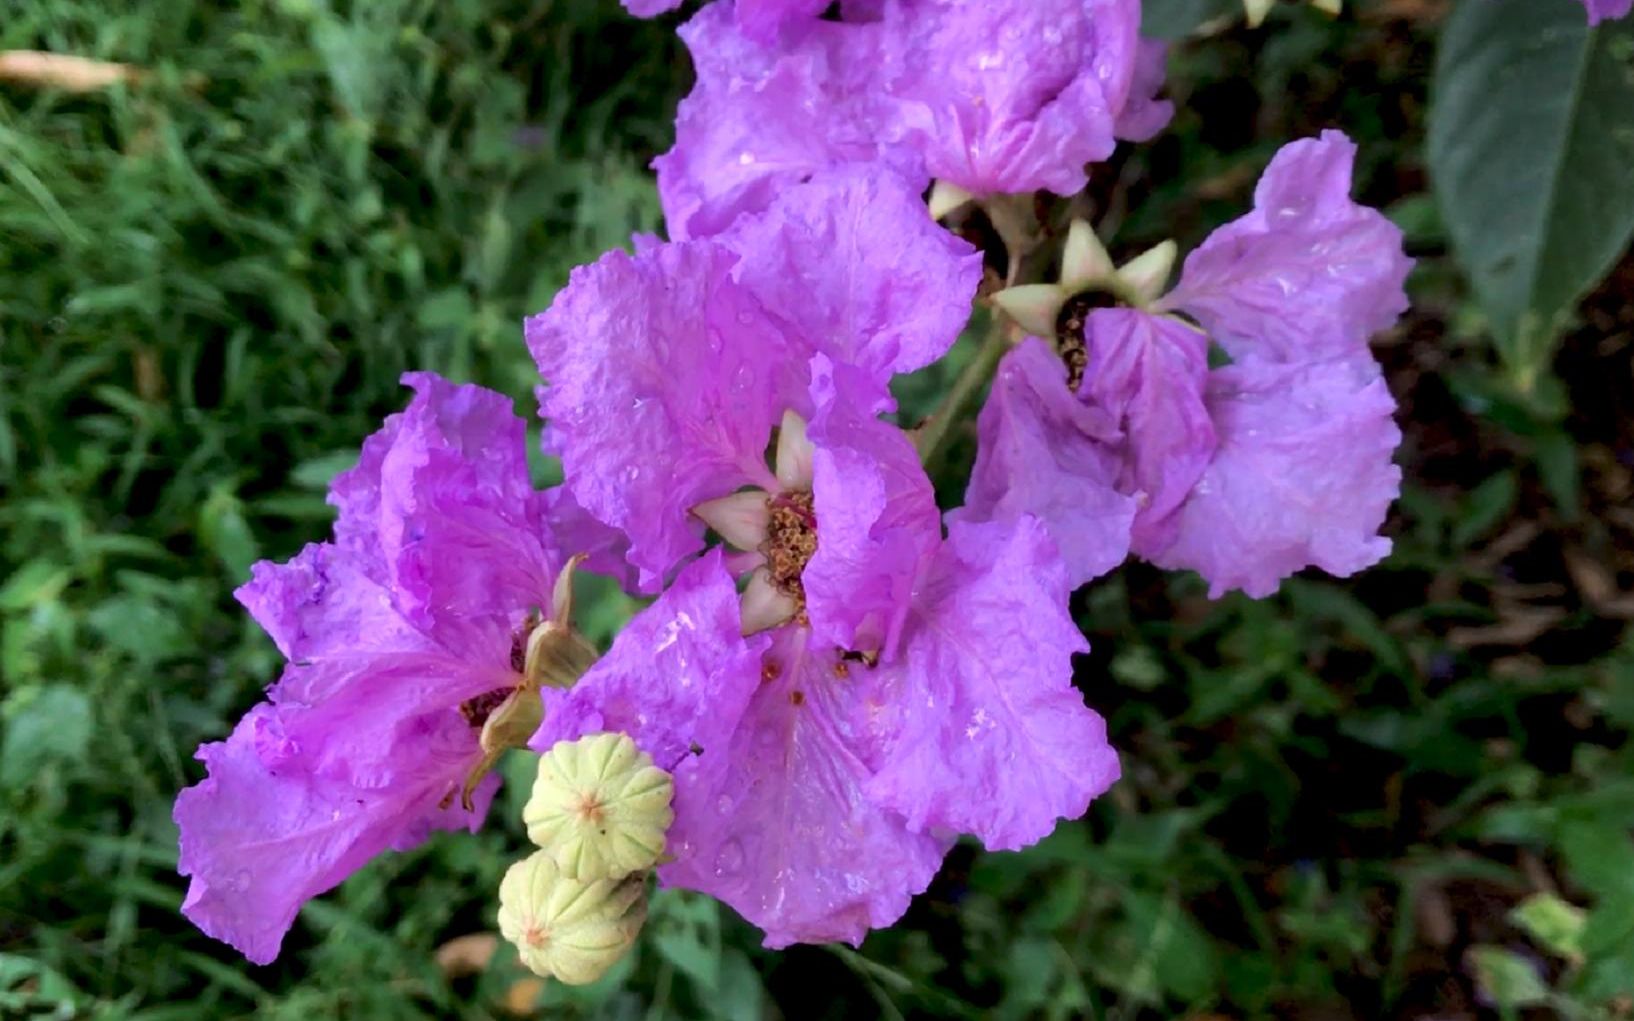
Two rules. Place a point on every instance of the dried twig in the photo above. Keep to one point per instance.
(56, 71)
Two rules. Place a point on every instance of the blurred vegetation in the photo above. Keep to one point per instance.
(1409, 795)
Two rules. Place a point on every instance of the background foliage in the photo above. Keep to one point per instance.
(1409, 795)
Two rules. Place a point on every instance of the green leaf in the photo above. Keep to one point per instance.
(1529, 146)
(35, 582)
(51, 724)
(685, 929)
(1487, 505)
(225, 530)
(1552, 923)
(1508, 978)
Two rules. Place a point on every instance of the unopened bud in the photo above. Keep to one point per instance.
(600, 807)
(569, 929)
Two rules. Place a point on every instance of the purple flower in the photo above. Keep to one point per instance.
(1602, 10)
(993, 96)
(816, 791)
(760, 120)
(1018, 95)
(1245, 473)
(669, 369)
(896, 688)
(401, 635)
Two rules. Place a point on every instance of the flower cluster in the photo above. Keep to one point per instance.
(833, 680)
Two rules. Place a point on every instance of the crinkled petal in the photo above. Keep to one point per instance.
(265, 832)
(1043, 452)
(441, 511)
(877, 522)
(1011, 95)
(650, 8)
(1308, 274)
(991, 736)
(1144, 115)
(1302, 476)
(783, 830)
(676, 679)
(665, 378)
(761, 119)
(764, 20)
(325, 604)
(853, 262)
(575, 531)
(1148, 372)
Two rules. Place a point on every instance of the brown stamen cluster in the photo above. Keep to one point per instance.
(1069, 332)
(477, 709)
(791, 541)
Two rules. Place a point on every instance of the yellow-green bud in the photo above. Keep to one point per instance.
(569, 929)
(599, 807)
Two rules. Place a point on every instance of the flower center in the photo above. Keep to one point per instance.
(1069, 331)
(791, 540)
(477, 709)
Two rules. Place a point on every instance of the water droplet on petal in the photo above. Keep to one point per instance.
(729, 860)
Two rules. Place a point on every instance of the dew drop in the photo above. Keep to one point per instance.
(729, 860)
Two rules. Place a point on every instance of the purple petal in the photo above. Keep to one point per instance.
(576, 531)
(665, 379)
(1601, 10)
(853, 262)
(1147, 372)
(1302, 476)
(877, 522)
(441, 511)
(326, 602)
(1306, 275)
(265, 831)
(761, 119)
(1012, 95)
(1144, 115)
(764, 20)
(676, 680)
(994, 740)
(782, 830)
(439, 555)
(1043, 452)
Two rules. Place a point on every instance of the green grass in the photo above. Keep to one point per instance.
(209, 284)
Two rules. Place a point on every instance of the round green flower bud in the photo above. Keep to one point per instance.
(600, 807)
(565, 928)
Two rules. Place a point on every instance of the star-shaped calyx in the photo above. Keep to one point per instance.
(1088, 280)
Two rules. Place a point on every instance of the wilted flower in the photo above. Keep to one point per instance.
(406, 636)
(1246, 472)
